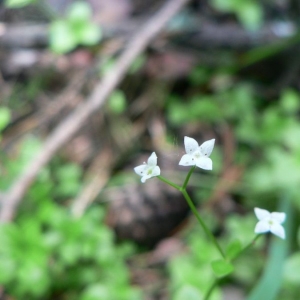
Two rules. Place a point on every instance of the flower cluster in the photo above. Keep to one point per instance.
(195, 156)
(199, 156)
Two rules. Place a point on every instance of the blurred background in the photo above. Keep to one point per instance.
(85, 227)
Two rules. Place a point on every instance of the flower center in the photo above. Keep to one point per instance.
(197, 155)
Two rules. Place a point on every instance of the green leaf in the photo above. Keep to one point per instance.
(250, 14)
(289, 101)
(7, 269)
(4, 117)
(68, 180)
(226, 5)
(188, 292)
(18, 3)
(233, 249)
(222, 267)
(291, 269)
(88, 34)
(62, 39)
(95, 292)
(79, 11)
(117, 102)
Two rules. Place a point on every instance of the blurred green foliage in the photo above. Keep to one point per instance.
(48, 253)
(248, 12)
(117, 102)
(75, 29)
(267, 136)
(4, 118)
(18, 3)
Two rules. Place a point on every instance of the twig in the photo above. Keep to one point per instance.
(95, 185)
(201, 34)
(68, 127)
(67, 98)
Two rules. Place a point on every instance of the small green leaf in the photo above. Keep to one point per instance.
(226, 5)
(18, 3)
(62, 38)
(233, 249)
(117, 102)
(88, 34)
(250, 14)
(4, 117)
(289, 101)
(188, 292)
(79, 11)
(291, 269)
(222, 267)
(96, 291)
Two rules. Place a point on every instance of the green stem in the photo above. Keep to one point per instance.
(177, 187)
(201, 222)
(214, 284)
(188, 177)
(249, 245)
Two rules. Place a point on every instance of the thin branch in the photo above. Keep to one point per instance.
(68, 127)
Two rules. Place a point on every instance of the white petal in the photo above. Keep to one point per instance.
(152, 160)
(279, 217)
(262, 227)
(204, 163)
(155, 171)
(190, 145)
(140, 170)
(145, 177)
(261, 213)
(207, 147)
(187, 160)
(278, 230)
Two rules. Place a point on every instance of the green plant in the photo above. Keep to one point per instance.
(249, 13)
(18, 3)
(48, 253)
(75, 29)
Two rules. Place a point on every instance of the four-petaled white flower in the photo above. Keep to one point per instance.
(148, 170)
(269, 222)
(197, 155)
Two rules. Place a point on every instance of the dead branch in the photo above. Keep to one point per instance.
(68, 127)
(204, 34)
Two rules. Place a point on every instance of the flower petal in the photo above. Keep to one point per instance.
(279, 217)
(190, 145)
(152, 160)
(145, 177)
(204, 163)
(187, 160)
(261, 213)
(140, 170)
(278, 230)
(156, 171)
(207, 147)
(261, 227)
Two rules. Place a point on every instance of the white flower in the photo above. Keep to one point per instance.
(269, 222)
(148, 170)
(196, 155)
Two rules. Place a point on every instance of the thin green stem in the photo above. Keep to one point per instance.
(249, 245)
(177, 187)
(201, 222)
(214, 284)
(188, 177)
